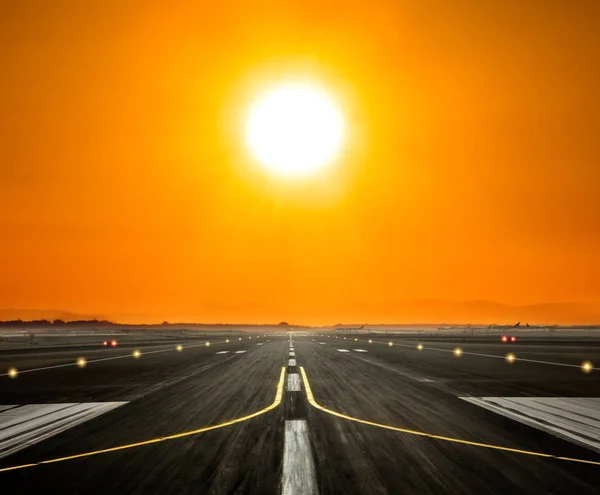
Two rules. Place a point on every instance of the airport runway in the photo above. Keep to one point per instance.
(310, 414)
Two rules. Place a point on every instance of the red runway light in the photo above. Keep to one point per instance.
(513, 339)
(105, 343)
(113, 343)
(504, 338)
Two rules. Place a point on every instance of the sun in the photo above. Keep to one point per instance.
(294, 129)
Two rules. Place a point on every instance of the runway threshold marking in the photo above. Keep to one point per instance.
(273, 405)
(575, 419)
(28, 424)
(313, 402)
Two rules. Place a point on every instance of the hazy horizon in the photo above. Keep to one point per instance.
(407, 312)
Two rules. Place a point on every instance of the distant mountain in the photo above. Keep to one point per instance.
(425, 311)
(43, 314)
(481, 312)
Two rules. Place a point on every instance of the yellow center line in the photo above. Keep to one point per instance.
(313, 402)
(273, 405)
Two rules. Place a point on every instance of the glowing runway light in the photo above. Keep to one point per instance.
(250, 338)
(511, 358)
(81, 362)
(370, 341)
(240, 338)
(458, 352)
(504, 339)
(587, 366)
(420, 347)
(355, 340)
(179, 348)
(207, 343)
(13, 373)
(136, 354)
(227, 341)
(390, 344)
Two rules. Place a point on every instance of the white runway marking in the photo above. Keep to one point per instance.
(292, 362)
(22, 426)
(293, 384)
(260, 343)
(359, 350)
(298, 476)
(222, 352)
(322, 343)
(240, 352)
(292, 354)
(343, 350)
(575, 419)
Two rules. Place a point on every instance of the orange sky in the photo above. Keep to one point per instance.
(472, 173)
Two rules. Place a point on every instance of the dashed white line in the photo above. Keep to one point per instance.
(240, 352)
(292, 354)
(343, 350)
(292, 362)
(298, 474)
(222, 352)
(360, 350)
(293, 384)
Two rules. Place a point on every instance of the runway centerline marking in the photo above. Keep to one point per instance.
(342, 350)
(360, 350)
(222, 352)
(273, 405)
(316, 405)
(298, 474)
(240, 352)
(293, 384)
(292, 362)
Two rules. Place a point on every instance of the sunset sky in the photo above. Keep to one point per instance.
(471, 169)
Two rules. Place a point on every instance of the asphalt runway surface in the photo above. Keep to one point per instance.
(310, 414)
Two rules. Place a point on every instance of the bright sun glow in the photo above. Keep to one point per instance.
(294, 128)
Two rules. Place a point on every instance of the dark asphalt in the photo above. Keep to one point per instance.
(172, 392)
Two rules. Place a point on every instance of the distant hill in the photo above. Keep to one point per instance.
(43, 314)
(436, 312)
